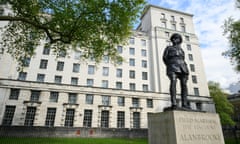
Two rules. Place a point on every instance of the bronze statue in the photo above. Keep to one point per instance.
(173, 58)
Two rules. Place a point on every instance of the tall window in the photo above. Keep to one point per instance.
(53, 96)
(30, 116)
(189, 47)
(192, 67)
(22, 76)
(89, 99)
(190, 57)
(132, 74)
(135, 102)
(131, 40)
(145, 87)
(91, 69)
(106, 59)
(183, 28)
(105, 119)
(119, 85)
(74, 81)
(69, 118)
(121, 101)
(76, 67)
(40, 77)
(132, 62)
(119, 73)
(132, 51)
(50, 118)
(14, 94)
(149, 103)
(144, 63)
(120, 49)
(106, 100)
(163, 24)
(194, 79)
(120, 119)
(77, 55)
(8, 115)
(143, 42)
(136, 119)
(46, 50)
(144, 52)
(144, 76)
(60, 66)
(173, 26)
(196, 91)
(105, 83)
(105, 71)
(35, 94)
(132, 86)
(26, 62)
(58, 79)
(87, 120)
(72, 98)
(43, 64)
(62, 53)
(90, 82)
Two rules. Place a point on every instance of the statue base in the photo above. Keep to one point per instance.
(184, 127)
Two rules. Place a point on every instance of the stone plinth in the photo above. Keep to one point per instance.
(183, 127)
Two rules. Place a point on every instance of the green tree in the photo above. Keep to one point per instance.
(223, 107)
(94, 27)
(232, 31)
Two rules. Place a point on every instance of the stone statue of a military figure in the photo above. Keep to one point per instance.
(173, 58)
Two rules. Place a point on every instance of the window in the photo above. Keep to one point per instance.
(120, 119)
(1, 11)
(181, 20)
(22, 76)
(105, 119)
(40, 77)
(187, 38)
(143, 42)
(189, 47)
(60, 66)
(30, 116)
(8, 115)
(58, 79)
(144, 75)
(105, 71)
(132, 51)
(136, 119)
(26, 62)
(76, 67)
(196, 91)
(121, 101)
(120, 49)
(190, 57)
(149, 103)
(132, 62)
(144, 52)
(35, 94)
(91, 69)
(172, 18)
(43, 64)
(69, 118)
(119, 85)
(62, 53)
(132, 74)
(53, 96)
(145, 87)
(144, 63)
(173, 26)
(192, 67)
(77, 55)
(89, 99)
(194, 79)
(199, 106)
(162, 16)
(74, 81)
(87, 120)
(119, 73)
(72, 98)
(90, 82)
(131, 40)
(132, 86)
(50, 118)
(163, 24)
(135, 102)
(46, 50)
(105, 83)
(167, 34)
(14, 94)
(106, 59)
(106, 100)
(183, 28)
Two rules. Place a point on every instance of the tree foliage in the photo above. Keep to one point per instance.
(94, 27)
(232, 31)
(223, 107)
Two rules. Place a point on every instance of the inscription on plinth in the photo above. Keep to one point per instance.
(181, 127)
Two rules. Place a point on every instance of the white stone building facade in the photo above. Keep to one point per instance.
(67, 91)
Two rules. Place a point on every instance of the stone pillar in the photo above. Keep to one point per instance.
(184, 127)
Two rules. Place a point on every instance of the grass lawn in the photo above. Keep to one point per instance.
(71, 141)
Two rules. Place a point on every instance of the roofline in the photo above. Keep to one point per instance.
(159, 7)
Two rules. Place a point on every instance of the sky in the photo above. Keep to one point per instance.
(208, 17)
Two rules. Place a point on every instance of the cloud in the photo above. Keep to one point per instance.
(208, 18)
